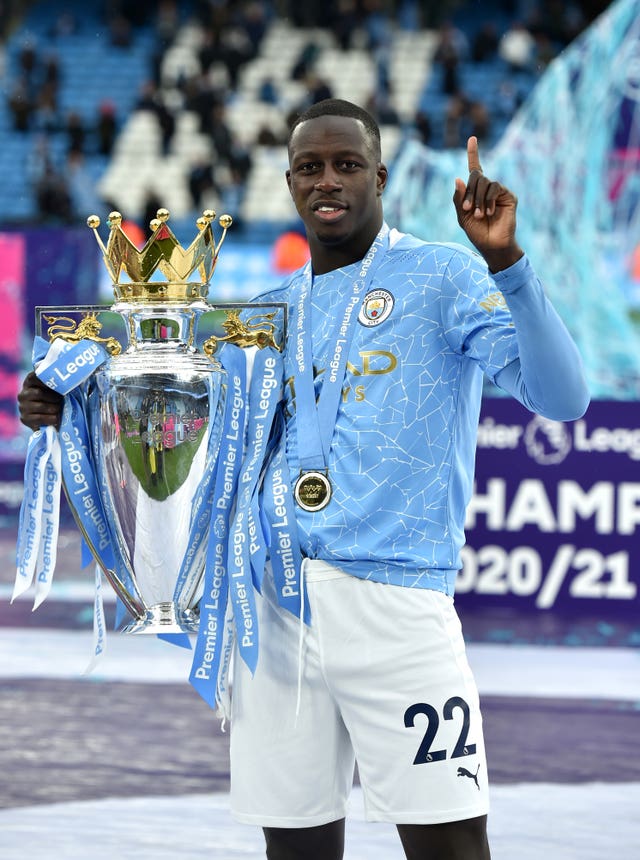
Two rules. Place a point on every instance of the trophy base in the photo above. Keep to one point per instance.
(164, 618)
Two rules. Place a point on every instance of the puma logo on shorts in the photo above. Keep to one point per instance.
(462, 771)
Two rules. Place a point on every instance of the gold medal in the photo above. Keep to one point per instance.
(312, 491)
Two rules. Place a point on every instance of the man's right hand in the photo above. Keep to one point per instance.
(39, 405)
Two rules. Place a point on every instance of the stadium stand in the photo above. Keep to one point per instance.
(92, 72)
(147, 73)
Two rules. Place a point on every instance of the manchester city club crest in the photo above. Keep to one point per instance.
(376, 307)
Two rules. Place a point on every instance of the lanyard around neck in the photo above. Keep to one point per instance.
(316, 421)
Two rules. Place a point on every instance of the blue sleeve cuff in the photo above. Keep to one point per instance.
(511, 279)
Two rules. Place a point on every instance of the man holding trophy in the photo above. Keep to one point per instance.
(362, 496)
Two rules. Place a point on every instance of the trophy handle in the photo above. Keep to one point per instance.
(73, 331)
(258, 330)
(134, 605)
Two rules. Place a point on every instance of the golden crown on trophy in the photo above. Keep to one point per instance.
(162, 270)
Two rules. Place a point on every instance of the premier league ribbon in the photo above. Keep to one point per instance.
(63, 367)
(315, 420)
(245, 534)
(235, 549)
(39, 513)
(215, 633)
(315, 423)
(99, 627)
(202, 502)
(278, 511)
(54, 457)
(85, 495)
(46, 562)
(236, 546)
(83, 491)
(115, 562)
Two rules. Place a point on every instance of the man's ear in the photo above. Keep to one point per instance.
(382, 176)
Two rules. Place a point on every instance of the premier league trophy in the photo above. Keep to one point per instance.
(153, 429)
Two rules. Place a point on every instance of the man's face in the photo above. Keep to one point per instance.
(336, 180)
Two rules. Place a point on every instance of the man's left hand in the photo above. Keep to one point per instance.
(487, 213)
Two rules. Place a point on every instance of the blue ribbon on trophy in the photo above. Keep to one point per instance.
(64, 367)
(245, 538)
(99, 624)
(39, 515)
(284, 543)
(161, 451)
(202, 500)
(213, 630)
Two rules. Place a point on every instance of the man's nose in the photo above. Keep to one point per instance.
(328, 181)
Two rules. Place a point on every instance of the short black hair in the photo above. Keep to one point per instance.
(339, 107)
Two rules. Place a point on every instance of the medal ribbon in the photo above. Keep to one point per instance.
(315, 425)
(316, 422)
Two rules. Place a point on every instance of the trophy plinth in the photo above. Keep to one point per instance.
(164, 618)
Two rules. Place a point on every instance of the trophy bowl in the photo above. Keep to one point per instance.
(158, 410)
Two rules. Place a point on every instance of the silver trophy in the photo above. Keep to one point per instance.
(154, 412)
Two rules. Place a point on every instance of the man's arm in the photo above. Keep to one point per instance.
(548, 376)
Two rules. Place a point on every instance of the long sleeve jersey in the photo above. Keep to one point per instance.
(402, 452)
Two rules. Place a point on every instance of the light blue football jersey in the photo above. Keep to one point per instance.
(402, 454)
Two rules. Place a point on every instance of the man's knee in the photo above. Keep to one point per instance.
(325, 842)
(454, 840)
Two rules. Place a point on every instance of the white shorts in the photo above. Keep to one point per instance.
(385, 682)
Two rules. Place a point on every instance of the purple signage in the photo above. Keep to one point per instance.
(554, 521)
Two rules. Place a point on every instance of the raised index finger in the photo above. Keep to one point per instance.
(473, 158)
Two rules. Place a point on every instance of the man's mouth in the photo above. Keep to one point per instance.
(328, 211)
